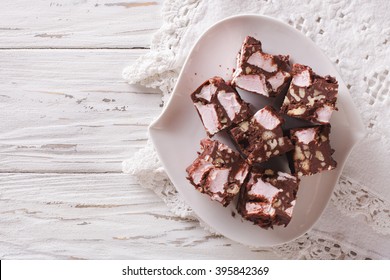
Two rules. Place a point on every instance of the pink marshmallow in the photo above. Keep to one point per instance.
(324, 113)
(302, 79)
(263, 61)
(305, 136)
(209, 117)
(230, 103)
(266, 119)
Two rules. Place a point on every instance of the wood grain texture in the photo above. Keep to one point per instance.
(70, 111)
(99, 216)
(67, 120)
(78, 23)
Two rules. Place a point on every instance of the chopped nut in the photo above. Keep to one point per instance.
(305, 165)
(272, 143)
(277, 203)
(320, 156)
(323, 138)
(302, 92)
(244, 126)
(269, 172)
(268, 154)
(219, 161)
(268, 135)
(248, 70)
(300, 174)
(286, 101)
(296, 97)
(313, 99)
(297, 111)
(323, 164)
(224, 120)
(281, 141)
(276, 152)
(298, 155)
(233, 189)
(316, 92)
(307, 154)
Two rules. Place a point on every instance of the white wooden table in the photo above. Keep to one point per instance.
(67, 122)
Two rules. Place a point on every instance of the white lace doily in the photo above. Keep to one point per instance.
(356, 37)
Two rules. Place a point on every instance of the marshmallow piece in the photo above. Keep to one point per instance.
(289, 210)
(209, 117)
(302, 79)
(241, 174)
(265, 118)
(217, 179)
(200, 169)
(305, 136)
(282, 176)
(324, 113)
(259, 208)
(263, 61)
(253, 83)
(278, 79)
(263, 189)
(230, 103)
(207, 92)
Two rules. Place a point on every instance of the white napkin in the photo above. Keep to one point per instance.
(355, 35)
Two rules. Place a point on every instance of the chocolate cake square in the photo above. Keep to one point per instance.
(310, 96)
(312, 153)
(218, 171)
(261, 137)
(260, 72)
(219, 105)
(268, 198)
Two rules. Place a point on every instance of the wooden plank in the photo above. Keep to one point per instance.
(71, 111)
(78, 24)
(99, 216)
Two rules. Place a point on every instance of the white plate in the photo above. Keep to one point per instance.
(177, 132)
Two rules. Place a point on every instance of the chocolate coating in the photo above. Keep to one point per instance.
(268, 198)
(310, 96)
(259, 143)
(314, 156)
(269, 72)
(218, 115)
(215, 159)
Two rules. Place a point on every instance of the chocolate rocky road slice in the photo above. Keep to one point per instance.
(268, 198)
(312, 153)
(310, 96)
(218, 171)
(219, 105)
(261, 137)
(260, 72)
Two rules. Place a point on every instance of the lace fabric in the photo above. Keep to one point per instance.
(354, 200)
(365, 197)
